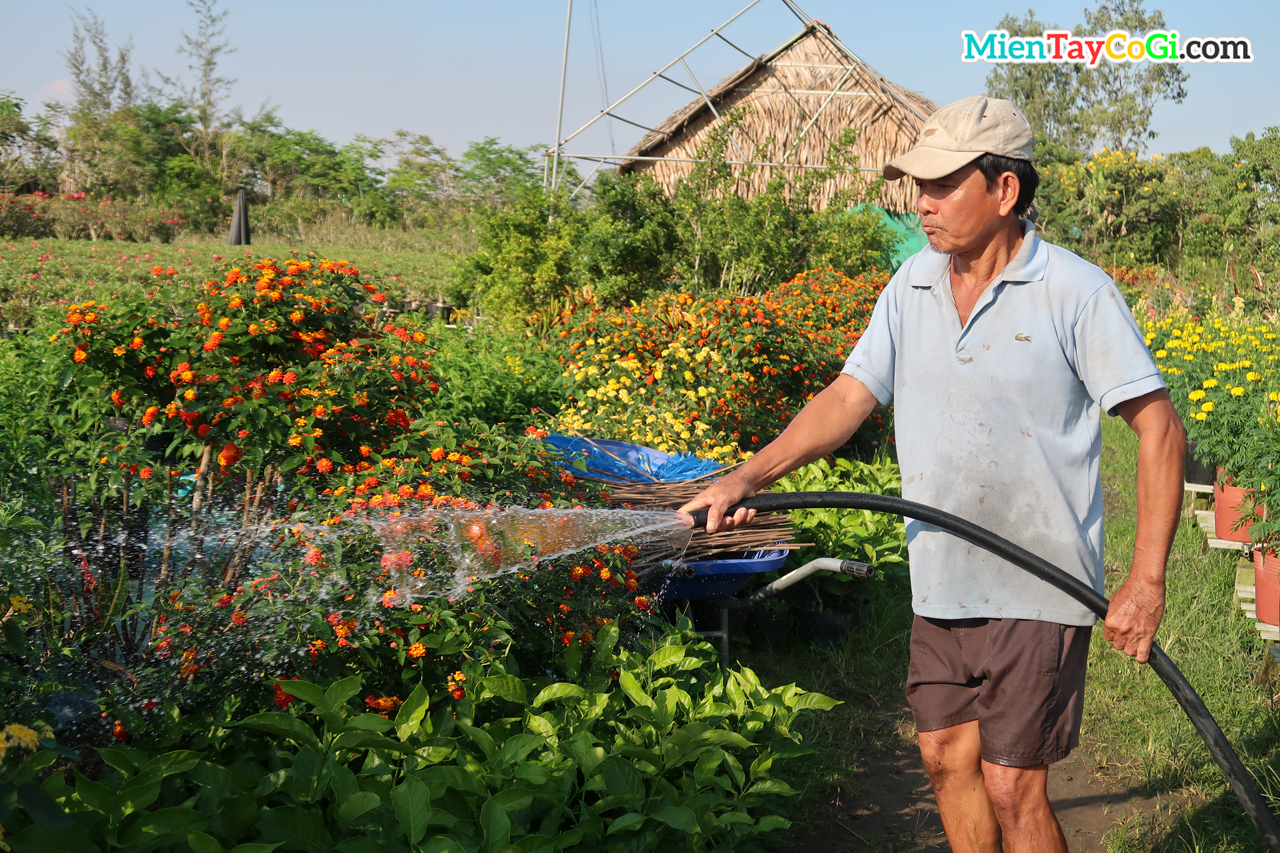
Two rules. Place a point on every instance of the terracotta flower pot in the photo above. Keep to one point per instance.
(1227, 509)
(1266, 579)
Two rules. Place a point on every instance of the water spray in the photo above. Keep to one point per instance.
(1241, 782)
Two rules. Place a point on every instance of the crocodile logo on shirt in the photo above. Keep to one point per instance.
(1021, 337)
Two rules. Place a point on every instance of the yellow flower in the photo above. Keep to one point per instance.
(1206, 407)
(1196, 395)
(1161, 353)
(1210, 383)
(1201, 416)
(1237, 392)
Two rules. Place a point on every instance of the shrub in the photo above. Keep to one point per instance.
(714, 376)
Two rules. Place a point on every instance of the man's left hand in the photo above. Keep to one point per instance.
(1133, 617)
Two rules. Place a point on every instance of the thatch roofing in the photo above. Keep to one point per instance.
(785, 90)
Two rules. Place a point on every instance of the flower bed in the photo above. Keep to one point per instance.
(714, 376)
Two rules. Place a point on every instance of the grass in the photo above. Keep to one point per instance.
(1133, 730)
(416, 266)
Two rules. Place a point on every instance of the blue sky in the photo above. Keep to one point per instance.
(459, 71)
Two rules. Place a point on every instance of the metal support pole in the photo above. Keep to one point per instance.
(654, 75)
(711, 106)
(796, 143)
(564, 68)
(624, 158)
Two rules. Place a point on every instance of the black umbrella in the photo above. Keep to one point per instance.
(239, 235)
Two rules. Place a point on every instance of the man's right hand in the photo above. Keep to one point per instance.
(719, 497)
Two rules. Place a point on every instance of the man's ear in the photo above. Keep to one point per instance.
(1009, 186)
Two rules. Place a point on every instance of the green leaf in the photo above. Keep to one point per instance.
(412, 803)
(775, 787)
(172, 763)
(200, 842)
(310, 693)
(342, 690)
(164, 826)
(480, 738)
(724, 737)
(370, 723)
(294, 828)
(678, 817)
(666, 656)
(632, 688)
(814, 701)
(139, 792)
(284, 725)
(631, 820)
(357, 804)
(255, 848)
(410, 715)
(560, 690)
(622, 779)
(507, 687)
(44, 809)
(496, 826)
(44, 839)
(606, 640)
(119, 760)
(441, 844)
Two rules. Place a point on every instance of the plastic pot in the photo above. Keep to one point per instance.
(1195, 471)
(1227, 510)
(1266, 579)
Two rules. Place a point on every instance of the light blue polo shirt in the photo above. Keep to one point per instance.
(999, 422)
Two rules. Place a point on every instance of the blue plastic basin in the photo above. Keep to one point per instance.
(719, 578)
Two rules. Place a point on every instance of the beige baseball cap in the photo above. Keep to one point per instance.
(960, 133)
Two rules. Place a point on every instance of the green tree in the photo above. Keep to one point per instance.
(490, 173)
(1049, 93)
(1075, 107)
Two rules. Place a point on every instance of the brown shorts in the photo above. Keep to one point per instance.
(1022, 680)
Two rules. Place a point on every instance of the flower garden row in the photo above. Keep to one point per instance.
(1223, 374)
(221, 491)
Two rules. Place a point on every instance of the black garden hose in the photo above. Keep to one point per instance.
(1242, 784)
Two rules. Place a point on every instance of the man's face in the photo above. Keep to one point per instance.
(959, 213)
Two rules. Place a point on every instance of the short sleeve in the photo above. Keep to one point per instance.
(1112, 359)
(873, 358)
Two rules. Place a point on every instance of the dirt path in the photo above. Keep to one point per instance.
(893, 808)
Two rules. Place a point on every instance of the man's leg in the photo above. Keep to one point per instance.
(952, 758)
(1021, 804)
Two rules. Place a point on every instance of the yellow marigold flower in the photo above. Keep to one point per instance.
(1196, 395)
(1253, 377)
(1237, 391)
(1161, 353)
(1201, 416)
(1210, 383)
(1206, 407)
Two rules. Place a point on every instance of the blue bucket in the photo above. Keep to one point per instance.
(720, 578)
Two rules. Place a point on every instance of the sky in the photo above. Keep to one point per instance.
(462, 71)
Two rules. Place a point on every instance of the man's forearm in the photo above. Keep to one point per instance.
(824, 424)
(1161, 456)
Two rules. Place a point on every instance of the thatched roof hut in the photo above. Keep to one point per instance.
(801, 96)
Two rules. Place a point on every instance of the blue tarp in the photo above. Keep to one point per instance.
(663, 467)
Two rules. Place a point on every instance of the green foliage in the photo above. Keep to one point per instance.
(634, 239)
(1073, 106)
(869, 537)
(1113, 207)
(667, 753)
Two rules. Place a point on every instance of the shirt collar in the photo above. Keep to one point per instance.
(1028, 263)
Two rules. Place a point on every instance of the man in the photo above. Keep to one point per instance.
(999, 353)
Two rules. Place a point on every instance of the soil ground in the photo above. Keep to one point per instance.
(893, 807)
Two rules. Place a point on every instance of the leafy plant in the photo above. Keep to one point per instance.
(869, 537)
(647, 749)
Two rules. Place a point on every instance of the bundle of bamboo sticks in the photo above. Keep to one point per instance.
(771, 530)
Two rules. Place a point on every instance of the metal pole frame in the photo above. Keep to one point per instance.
(653, 76)
(712, 106)
(624, 158)
(564, 68)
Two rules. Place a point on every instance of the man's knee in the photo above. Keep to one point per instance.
(950, 754)
(1015, 791)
